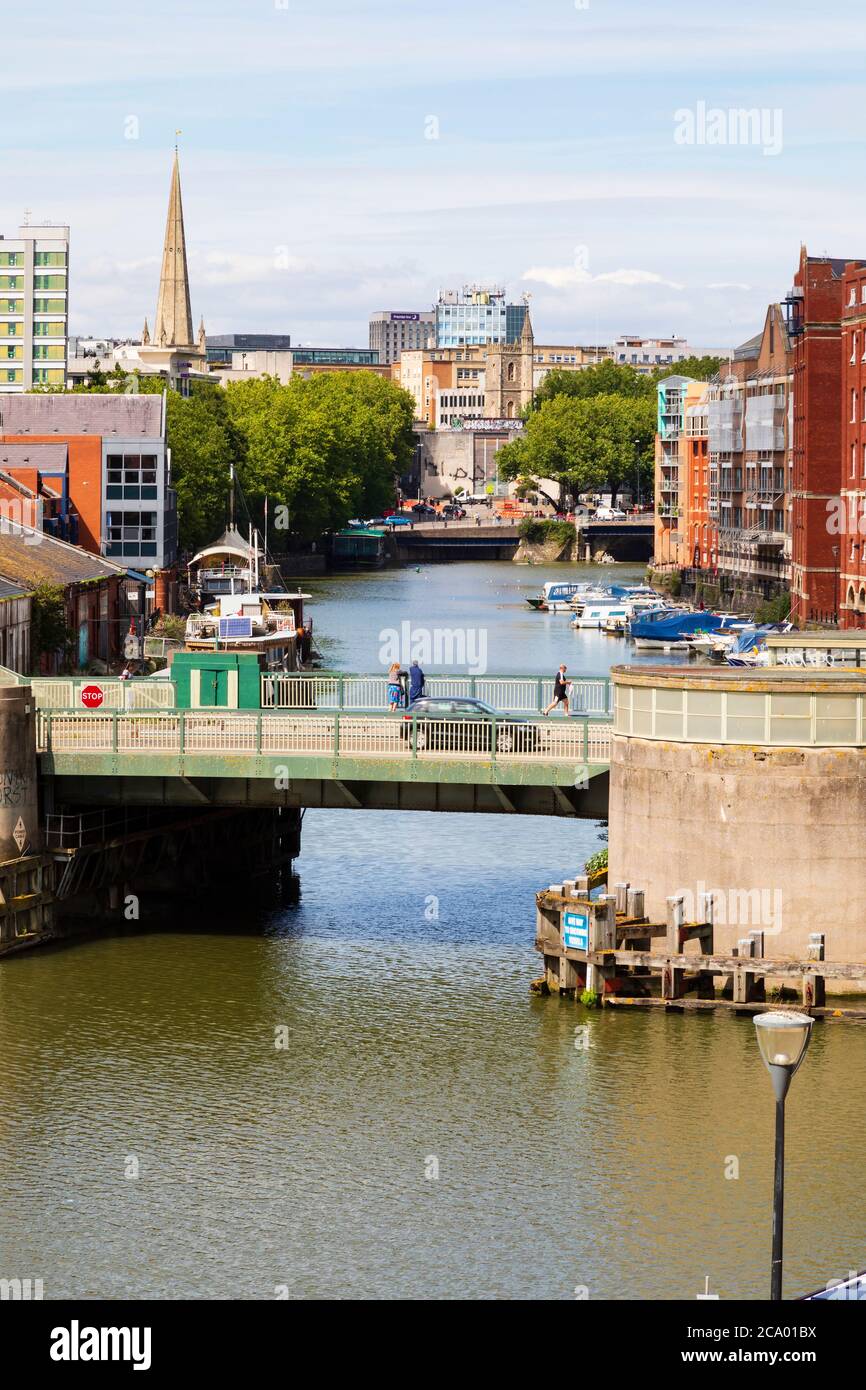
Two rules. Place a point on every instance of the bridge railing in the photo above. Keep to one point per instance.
(334, 690)
(375, 735)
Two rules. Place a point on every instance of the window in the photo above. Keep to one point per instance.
(131, 477)
(130, 533)
(864, 460)
(853, 406)
(49, 258)
(853, 460)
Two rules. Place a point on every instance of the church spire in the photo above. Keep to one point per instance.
(173, 314)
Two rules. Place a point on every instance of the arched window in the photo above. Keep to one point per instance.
(861, 599)
(851, 597)
(511, 371)
(509, 410)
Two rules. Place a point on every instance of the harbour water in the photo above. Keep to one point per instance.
(357, 1096)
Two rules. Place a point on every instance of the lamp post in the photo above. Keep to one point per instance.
(783, 1040)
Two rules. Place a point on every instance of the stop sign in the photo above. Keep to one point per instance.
(92, 696)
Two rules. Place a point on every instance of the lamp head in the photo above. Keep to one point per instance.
(783, 1039)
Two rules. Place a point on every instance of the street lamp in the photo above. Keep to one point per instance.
(783, 1040)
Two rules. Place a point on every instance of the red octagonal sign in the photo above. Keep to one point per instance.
(92, 696)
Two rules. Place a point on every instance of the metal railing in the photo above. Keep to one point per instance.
(59, 692)
(332, 690)
(374, 735)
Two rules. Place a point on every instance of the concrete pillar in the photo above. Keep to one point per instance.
(20, 830)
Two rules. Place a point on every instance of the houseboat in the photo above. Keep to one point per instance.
(271, 625)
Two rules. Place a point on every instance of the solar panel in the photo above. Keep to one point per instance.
(236, 627)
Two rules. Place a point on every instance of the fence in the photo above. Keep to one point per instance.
(332, 690)
(59, 692)
(575, 740)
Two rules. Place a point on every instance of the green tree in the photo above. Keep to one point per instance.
(326, 448)
(48, 630)
(583, 443)
(603, 379)
(698, 368)
(204, 442)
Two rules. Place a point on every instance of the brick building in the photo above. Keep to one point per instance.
(815, 305)
(847, 521)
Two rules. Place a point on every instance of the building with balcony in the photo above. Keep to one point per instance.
(846, 521)
(815, 306)
(677, 395)
(34, 308)
(648, 354)
(749, 417)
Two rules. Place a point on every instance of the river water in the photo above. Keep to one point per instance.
(360, 1097)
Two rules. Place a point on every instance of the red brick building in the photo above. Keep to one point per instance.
(815, 305)
(848, 520)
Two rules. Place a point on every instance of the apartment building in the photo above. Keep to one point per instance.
(702, 526)
(846, 521)
(750, 443)
(34, 308)
(815, 306)
(677, 395)
(648, 354)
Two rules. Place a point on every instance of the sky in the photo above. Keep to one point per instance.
(345, 156)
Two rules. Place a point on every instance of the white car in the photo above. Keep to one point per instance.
(609, 514)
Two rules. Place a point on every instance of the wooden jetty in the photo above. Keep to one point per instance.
(607, 945)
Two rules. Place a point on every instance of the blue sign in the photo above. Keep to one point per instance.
(575, 931)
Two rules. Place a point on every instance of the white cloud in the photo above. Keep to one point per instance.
(570, 276)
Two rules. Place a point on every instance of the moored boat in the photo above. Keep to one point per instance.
(556, 595)
(673, 629)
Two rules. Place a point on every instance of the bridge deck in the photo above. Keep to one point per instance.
(337, 746)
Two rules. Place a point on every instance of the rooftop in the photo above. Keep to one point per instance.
(122, 416)
(29, 558)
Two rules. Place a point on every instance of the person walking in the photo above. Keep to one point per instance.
(561, 691)
(417, 681)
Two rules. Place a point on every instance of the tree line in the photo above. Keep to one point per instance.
(321, 449)
(593, 427)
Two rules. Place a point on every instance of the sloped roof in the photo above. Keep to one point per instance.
(46, 457)
(8, 590)
(88, 412)
(29, 558)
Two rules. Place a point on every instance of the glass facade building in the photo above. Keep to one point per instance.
(474, 316)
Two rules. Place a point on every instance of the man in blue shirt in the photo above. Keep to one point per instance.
(416, 682)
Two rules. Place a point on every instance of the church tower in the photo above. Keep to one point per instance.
(508, 375)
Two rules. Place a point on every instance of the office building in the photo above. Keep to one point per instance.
(395, 331)
(476, 315)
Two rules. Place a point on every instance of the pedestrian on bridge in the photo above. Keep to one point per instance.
(561, 692)
(395, 689)
(417, 681)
